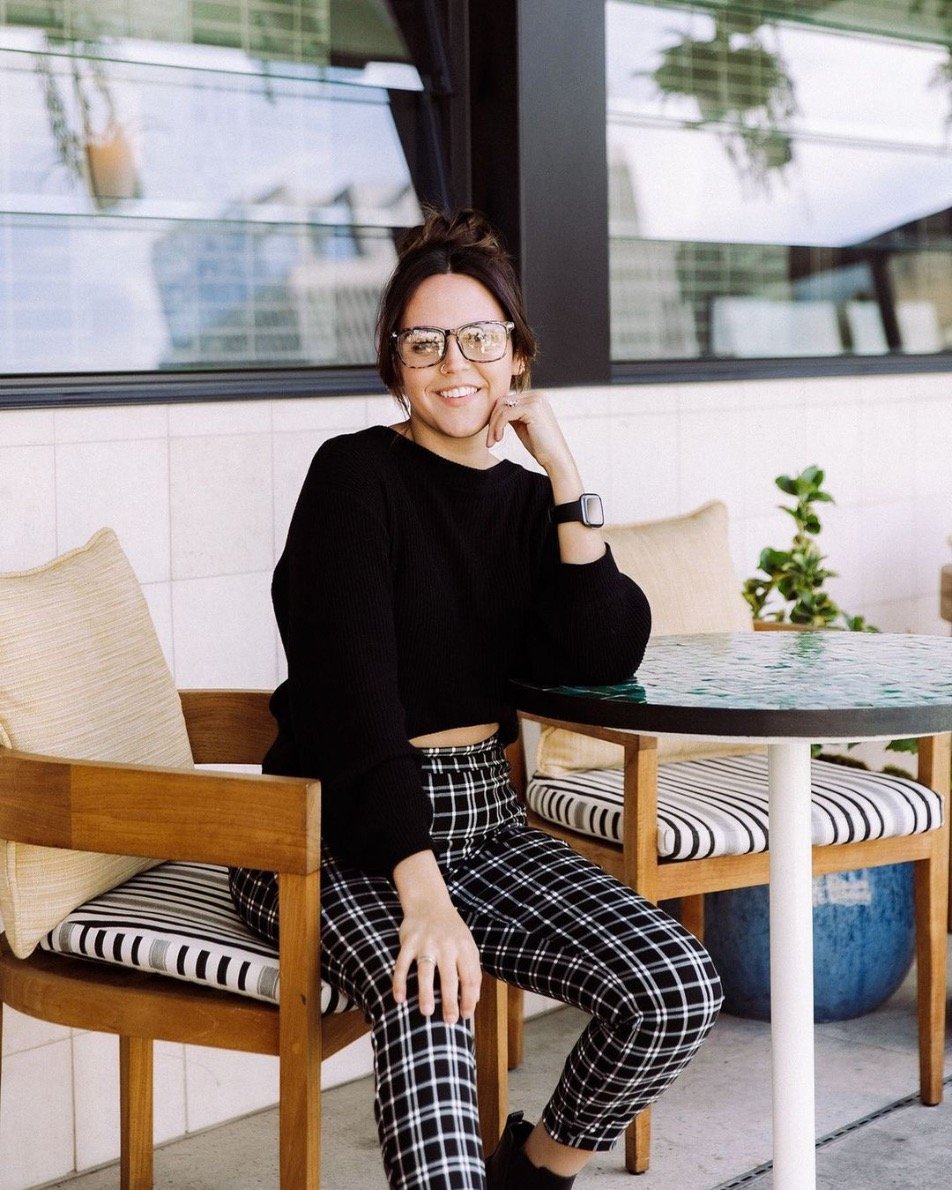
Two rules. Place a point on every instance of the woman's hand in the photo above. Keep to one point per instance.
(535, 425)
(435, 937)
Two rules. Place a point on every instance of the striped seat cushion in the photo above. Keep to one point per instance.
(178, 919)
(718, 805)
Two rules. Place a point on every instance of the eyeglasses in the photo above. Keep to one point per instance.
(479, 342)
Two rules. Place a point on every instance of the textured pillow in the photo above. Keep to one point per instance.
(683, 564)
(82, 676)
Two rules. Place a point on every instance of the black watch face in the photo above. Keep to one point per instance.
(592, 513)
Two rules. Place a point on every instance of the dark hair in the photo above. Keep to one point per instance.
(464, 243)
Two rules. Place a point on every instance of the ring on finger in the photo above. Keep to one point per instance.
(426, 958)
(511, 402)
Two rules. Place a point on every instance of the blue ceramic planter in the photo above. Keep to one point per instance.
(863, 942)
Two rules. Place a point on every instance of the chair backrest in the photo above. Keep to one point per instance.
(684, 566)
(82, 675)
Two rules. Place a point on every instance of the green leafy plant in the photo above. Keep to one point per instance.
(798, 574)
(789, 587)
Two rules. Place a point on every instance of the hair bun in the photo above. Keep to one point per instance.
(466, 228)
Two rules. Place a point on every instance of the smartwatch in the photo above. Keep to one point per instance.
(587, 509)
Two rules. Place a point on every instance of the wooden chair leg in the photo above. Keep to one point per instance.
(638, 1143)
(692, 915)
(299, 1027)
(932, 895)
(516, 1018)
(932, 901)
(492, 1066)
(135, 1113)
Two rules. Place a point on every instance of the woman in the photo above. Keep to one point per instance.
(420, 574)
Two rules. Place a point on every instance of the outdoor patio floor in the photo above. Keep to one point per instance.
(711, 1131)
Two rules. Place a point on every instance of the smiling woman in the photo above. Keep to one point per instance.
(421, 573)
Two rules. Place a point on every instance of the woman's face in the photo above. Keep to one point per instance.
(450, 402)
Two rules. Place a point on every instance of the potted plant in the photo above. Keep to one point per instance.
(789, 586)
(863, 925)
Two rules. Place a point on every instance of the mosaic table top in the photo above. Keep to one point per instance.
(816, 685)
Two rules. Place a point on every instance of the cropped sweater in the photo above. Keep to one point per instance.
(411, 589)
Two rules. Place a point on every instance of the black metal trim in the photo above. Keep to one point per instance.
(680, 371)
(733, 722)
(145, 388)
(539, 169)
(160, 388)
(432, 123)
(563, 187)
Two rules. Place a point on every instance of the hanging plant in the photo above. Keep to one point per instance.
(91, 141)
(743, 91)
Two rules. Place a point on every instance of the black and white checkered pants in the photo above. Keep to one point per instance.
(544, 919)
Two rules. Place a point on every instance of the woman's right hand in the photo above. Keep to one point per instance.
(435, 937)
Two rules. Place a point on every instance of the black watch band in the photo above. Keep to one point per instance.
(587, 509)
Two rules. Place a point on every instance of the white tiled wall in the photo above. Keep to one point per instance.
(201, 496)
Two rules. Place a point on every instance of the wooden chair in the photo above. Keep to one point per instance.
(97, 756)
(211, 818)
(685, 555)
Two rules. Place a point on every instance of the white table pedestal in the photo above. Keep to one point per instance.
(791, 956)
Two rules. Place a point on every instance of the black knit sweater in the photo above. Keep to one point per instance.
(410, 590)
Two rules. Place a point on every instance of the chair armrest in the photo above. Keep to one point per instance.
(249, 821)
(228, 726)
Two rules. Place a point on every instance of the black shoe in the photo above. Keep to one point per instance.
(510, 1169)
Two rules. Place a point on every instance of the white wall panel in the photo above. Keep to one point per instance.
(215, 518)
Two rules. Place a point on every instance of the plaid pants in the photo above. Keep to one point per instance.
(543, 919)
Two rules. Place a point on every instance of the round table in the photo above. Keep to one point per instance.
(788, 690)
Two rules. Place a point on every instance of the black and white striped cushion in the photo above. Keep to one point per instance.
(178, 919)
(718, 805)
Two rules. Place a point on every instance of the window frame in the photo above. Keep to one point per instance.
(439, 162)
(583, 146)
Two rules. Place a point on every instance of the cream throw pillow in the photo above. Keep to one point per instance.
(683, 565)
(82, 676)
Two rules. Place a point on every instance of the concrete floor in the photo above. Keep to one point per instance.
(711, 1131)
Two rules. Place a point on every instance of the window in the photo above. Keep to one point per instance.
(200, 185)
(780, 179)
(198, 199)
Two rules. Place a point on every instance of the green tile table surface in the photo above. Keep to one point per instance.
(816, 685)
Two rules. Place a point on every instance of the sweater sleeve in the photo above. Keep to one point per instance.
(589, 625)
(343, 702)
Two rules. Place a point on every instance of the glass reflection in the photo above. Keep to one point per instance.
(166, 204)
(777, 188)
